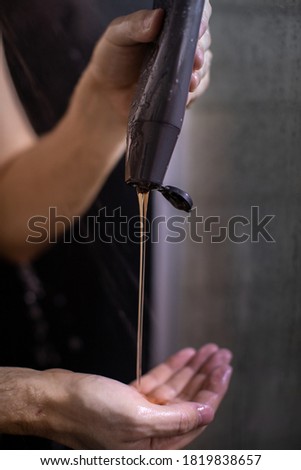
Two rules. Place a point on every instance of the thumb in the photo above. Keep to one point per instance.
(179, 419)
(140, 27)
(116, 62)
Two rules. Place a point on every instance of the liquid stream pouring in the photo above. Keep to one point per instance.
(156, 118)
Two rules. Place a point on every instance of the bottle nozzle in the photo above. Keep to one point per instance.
(177, 197)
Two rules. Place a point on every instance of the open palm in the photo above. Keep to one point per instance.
(172, 405)
(200, 377)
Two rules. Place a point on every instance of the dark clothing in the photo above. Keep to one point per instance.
(76, 306)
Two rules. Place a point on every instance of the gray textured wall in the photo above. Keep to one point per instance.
(242, 147)
(245, 150)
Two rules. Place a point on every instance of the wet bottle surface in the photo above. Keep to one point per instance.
(158, 109)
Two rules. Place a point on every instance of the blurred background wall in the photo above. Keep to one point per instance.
(241, 148)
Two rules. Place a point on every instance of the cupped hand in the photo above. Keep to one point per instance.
(174, 404)
(187, 378)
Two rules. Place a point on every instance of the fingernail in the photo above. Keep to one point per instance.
(223, 374)
(148, 20)
(200, 52)
(205, 414)
(227, 374)
(196, 76)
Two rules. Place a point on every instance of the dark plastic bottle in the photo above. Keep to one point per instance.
(158, 109)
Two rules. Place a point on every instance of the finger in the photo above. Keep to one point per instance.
(219, 382)
(200, 80)
(220, 358)
(178, 419)
(200, 74)
(215, 387)
(205, 41)
(164, 371)
(205, 18)
(201, 89)
(203, 46)
(199, 58)
(140, 27)
(119, 55)
(171, 388)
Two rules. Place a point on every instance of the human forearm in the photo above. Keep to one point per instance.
(67, 167)
(34, 403)
(65, 170)
(20, 401)
(92, 412)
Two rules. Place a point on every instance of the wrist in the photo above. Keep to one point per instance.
(96, 124)
(21, 401)
(32, 403)
(56, 423)
(97, 113)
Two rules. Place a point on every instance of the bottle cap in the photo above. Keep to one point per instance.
(177, 197)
